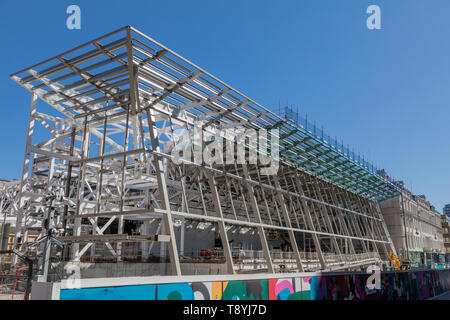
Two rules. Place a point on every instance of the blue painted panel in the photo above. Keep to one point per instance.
(175, 291)
(141, 292)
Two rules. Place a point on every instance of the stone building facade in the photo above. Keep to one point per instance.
(415, 228)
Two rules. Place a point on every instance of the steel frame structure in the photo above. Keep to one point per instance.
(113, 111)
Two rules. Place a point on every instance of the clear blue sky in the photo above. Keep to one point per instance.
(384, 92)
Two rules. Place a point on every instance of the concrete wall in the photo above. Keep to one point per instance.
(418, 230)
(45, 291)
(400, 285)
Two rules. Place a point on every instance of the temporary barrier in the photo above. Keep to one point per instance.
(397, 285)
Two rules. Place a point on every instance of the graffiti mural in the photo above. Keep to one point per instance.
(246, 290)
(175, 291)
(139, 292)
(403, 285)
(284, 289)
(339, 287)
(190, 291)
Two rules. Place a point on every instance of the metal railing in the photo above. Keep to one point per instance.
(293, 117)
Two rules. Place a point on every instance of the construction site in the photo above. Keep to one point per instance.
(122, 178)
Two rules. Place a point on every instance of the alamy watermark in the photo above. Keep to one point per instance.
(374, 20)
(74, 19)
(374, 280)
(73, 280)
(229, 146)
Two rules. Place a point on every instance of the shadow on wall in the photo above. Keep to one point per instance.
(410, 285)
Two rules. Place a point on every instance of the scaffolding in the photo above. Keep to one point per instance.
(113, 110)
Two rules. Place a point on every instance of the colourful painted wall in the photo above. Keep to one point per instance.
(412, 285)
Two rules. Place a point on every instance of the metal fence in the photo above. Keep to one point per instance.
(13, 285)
